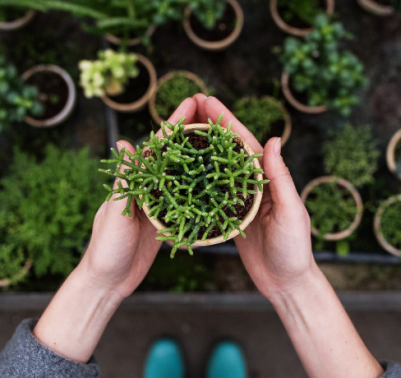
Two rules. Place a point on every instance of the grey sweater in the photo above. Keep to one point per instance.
(25, 357)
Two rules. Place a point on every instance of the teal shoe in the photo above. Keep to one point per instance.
(164, 360)
(226, 361)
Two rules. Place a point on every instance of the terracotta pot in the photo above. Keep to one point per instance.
(248, 218)
(7, 281)
(377, 226)
(69, 105)
(355, 194)
(391, 162)
(133, 41)
(19, 23)
(216, 45)
(285, 85)
(375, 8)
(330, 4)
(140, 103)
(189, 75)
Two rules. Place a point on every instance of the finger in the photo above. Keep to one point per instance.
(201, 115)
(214, 108)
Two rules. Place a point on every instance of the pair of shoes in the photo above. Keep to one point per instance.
(165, 360)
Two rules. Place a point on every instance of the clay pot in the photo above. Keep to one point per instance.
(375, 8)
(7, 281)
(285, 85)
(19, 23)
(69, 105)
(377, 226)
(141, 102)
(189, 75)
(133, 41)
(248, 218)
(355, 194)
(216, 45)
(390, 156)
(330, 4)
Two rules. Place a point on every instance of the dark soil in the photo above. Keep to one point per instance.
(297, 22)
(53, 92)
(135, 88)
(384, 2)
(224, 27)
(276, 130)
(9, 14)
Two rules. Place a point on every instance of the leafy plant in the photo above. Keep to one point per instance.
(306, 10)
(391, 224)
(192, 190)
(352, 154)
(258, 114)
(320, 69)
(109, 74)
(208, 12)
(16, 99)
(47, 209)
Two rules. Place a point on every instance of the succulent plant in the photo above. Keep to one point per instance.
(208, 12)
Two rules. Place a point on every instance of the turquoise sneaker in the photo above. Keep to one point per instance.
(226, 361)
(164, 360)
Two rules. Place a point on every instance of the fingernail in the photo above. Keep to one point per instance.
(277, 147)
(119, 146)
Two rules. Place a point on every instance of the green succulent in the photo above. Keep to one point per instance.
(323, 71)
(109, 74)
(391, 224)
(352, 154)
(306, 10)
(208, 12)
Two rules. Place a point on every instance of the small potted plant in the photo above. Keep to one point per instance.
(17, 100)
(381, 7)
(387, 225)
(213, 25)
(394, 154)
(199, 184)
(171, 90)
(321, 74)
(57, 94)
(297, 17)
(15, 15)
(264, 117)
(124, 81)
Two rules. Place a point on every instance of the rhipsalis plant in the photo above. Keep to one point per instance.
(208, 12)
(193, 190)
(321, 70)
(391, 224)
(109, 74)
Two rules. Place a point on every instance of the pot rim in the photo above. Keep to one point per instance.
(19, 22)
(248, 218)
(377, 226)
(71, 99)
(330, 5)
(170, 75)
(390, 154)
(375, 8)
(355, 194)
(141, 102)
(216, 45)
(132, 41)
(7, 281)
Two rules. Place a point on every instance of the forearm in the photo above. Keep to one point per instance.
(322, 333)
(76, 317)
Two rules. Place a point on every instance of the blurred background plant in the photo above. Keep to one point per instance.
(306, 10)
(391, 224)
(208, 12)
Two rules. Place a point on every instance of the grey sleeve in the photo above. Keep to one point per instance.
(393, 370)
(25, 357)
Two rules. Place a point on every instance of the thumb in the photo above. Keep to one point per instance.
(281, 186)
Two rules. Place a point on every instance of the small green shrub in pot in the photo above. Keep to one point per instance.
(47, 209)
(305, 10)
(391, 224)
(352, 154)
(17, 100)
(320, 69)
(208, 12)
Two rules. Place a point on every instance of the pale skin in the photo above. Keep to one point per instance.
(277, 254)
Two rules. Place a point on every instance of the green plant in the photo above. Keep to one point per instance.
(352, 154)
(306, 10)
(208, 12)
(320, 69)
(191, 190)
(258, 114)
(109, 74)
(16, 99)
(47, 208)
(391, 224)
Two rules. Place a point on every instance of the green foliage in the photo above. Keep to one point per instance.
(331, 208)
(306, 10)
(318, 67)
(258, 114)
(391, 224)
(172, 92)
(208, 12)
(109, 74)
(16, 99)
(352, 154)
(47, 208)
(193, 187)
